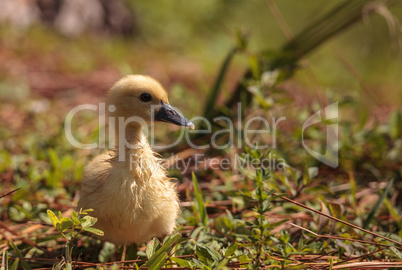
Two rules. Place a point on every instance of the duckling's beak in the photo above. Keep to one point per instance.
(166, 113)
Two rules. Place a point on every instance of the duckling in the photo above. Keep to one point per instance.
(128, 188)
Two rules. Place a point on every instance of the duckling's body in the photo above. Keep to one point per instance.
(131, 204)
(131, 195)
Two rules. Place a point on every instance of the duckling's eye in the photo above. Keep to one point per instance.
(146, 97)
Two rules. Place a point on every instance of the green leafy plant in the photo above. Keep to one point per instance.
(261, 236)
(71, 228)
(158, 253)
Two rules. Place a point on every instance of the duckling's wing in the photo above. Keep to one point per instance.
(96, 173)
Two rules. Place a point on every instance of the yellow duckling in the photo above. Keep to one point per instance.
(128, 188)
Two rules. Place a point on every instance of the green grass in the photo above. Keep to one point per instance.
(230, 218)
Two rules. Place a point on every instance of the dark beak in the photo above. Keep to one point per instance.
(166, 113)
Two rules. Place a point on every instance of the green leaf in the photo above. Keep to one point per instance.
(223, 224)
(19, 254)
(74, 217)
(158, 263)
(265, 206)
(285, 237)
(152, 246)
(244, 259)
(88, 221)
(14, 266)
(86, 211)
(336, 209)
(106, 252)
(199, 202)
(180, 262)
(397, 252)
(274, 225)
(300, 245)
(231, 249)
(207, 254)
(312, 172)
(53, 218)
(166, 247)
(65, 223)
(94, 231)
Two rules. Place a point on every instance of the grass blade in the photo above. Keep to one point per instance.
(377, 205)
(158, 263)
(231, 249)
(166, 247)
(180, 262)
(19, 254)
(14, 266)
(199, 202)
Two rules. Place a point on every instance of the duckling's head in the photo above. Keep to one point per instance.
(143, 97)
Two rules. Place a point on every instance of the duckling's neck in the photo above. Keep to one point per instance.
(129, 139)
(133, 134)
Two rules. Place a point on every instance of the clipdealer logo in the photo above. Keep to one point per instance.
(327, 116)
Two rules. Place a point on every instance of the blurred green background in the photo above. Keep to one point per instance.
(185, 42)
